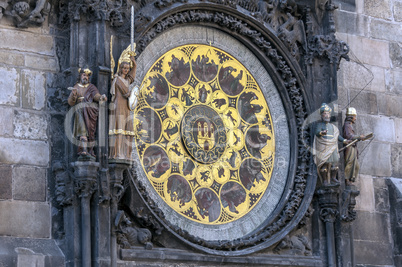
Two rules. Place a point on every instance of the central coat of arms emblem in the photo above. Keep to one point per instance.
(204, 134)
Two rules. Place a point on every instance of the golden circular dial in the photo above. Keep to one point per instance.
(204, 134)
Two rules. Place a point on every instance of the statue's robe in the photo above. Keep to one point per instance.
(351, 154)
(121, 124)
(86, 115)
(325, 147)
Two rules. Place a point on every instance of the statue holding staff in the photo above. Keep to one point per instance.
(351, 154)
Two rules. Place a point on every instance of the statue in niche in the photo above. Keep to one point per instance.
(325, 150)
(121, 127)
(351, 153)
(129, 236)
(82, 96)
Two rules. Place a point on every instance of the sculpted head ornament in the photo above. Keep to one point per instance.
(351, 112)
(125, 57)
(325, 107)
(86, 70)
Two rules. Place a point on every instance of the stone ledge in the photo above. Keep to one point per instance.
(29, 152)
(27, 42)
(25, 219)
(30, 252)
(368, 51)
(166, 256)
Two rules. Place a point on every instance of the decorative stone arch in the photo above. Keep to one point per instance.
(276, 62)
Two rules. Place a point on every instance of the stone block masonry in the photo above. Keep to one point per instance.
(373, 33)
(26, 56)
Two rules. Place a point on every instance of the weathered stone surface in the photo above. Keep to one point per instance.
(12, 59)
(381, 195)
(5, 182)
(376, 160)
(26, 41)
(142, 257)
(27, 252)
(390, 105)
(368, 253)
(25, 219)
(33, 85)
(365, 201)
(368, 51)
(396, 160)
(397, 185)
(359, 6)
(348, 5)
(364, 102)
(386, 30)
(382, 127)
(6, 116)
(24, 152)
(357, 76)
(372, 226)
(30, 125)
(57, 99)
(42, 63)
(351, 23)
(29, 183)
(395, 53)
(398, 130)
(9, 88)
(377, 79)
(379, 9)
(58, 137)
(395, 82)
(397, 11)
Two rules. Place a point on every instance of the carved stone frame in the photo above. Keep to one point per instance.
(291, 84)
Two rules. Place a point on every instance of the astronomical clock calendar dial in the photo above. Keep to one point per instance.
(205, 137)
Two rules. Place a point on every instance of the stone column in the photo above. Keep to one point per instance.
(85, 184)
(328, 202)
(344, 227)
(116, 191)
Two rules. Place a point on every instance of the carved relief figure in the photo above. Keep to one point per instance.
(208, 204)
(248, 110)
(325, 149)
(180, 71)
(121, 128)
(27, 12)
(204, 68)
(129, 236)
(232, 195)
(82, 95)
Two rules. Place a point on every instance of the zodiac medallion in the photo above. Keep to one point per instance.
(204, 134)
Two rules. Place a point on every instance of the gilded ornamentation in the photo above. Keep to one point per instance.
(204, 141)
(298, 105)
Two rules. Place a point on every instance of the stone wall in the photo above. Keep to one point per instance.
(26, 57)
(372, 82)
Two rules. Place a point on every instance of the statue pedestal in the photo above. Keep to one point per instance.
(328, 201)
(116, 170)
(85, 184)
